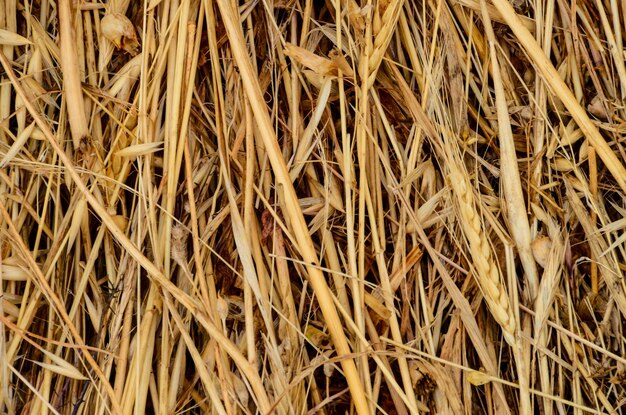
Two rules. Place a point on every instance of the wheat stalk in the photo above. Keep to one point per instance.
(488, 274)
(384, 27)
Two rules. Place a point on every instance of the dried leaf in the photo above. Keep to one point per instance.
(317, 337)
(478, 378)
(60, 366)
(597, 108)
(11, 272)
(120, 31)
(17, 145)
(139, 150)
(9, 38)
(318, 64)
(541, 250)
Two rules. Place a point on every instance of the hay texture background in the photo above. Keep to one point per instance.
(312, 207)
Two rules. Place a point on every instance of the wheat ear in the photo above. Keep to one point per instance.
(383, 31)
(488, 274)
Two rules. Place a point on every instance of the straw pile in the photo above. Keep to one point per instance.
(299, 207)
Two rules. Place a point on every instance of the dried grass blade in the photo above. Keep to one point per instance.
(509, 169)
(71, 74)
(60, 366)
(17, 145)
